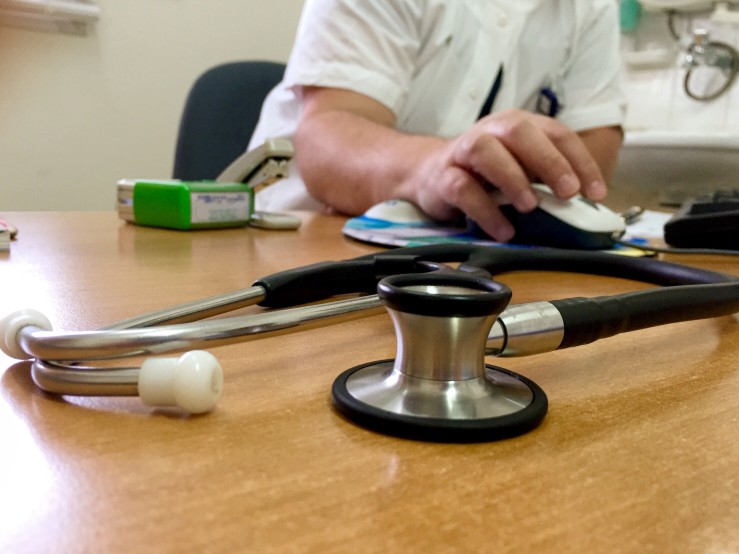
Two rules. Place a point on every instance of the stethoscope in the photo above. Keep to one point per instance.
(446, 319)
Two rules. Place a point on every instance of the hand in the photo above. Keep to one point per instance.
(506, 151)
(351, 157)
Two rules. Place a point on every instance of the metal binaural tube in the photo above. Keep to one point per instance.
(196, 310)
(68, 378)
(85, 381)
(111, 344)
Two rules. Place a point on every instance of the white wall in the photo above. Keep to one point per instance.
(79, 113)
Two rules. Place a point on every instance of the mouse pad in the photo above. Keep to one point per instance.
(376, 228)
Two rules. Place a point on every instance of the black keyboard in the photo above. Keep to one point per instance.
(706, 221)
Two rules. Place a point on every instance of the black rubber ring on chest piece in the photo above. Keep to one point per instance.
(404, 293)
(436, 429)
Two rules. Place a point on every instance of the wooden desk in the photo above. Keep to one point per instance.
(639, 451)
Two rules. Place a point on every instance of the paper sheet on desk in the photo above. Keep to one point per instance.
(649, 225)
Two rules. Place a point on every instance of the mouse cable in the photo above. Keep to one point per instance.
(660, 250)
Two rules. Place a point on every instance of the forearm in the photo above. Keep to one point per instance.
(351, 163)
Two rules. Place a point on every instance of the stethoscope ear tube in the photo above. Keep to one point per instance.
(647, 270)
(327, 279)
(586, 320)
(686, 293)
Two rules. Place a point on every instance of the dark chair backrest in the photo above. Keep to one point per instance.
(219, 117)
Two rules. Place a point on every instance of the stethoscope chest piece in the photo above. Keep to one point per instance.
(438, 387)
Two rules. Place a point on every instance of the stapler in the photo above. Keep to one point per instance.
(259, 168)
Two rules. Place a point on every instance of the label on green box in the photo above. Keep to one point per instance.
(213, 207)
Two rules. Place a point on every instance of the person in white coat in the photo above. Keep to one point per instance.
(448, 104)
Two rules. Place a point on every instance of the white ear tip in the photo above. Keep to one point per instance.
(194, 381)
(199, 383)
(11, 324)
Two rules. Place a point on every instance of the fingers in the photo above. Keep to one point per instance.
(484, 155)
(583, 164)
(509, 151)
(462, 191)
(513, 148)
(484, 211)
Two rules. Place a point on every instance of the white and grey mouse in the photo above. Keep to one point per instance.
(398, 211)
(575, 223)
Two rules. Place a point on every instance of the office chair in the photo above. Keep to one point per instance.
(220, 113)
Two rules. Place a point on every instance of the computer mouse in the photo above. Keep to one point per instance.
(398, 211)
(575, 223)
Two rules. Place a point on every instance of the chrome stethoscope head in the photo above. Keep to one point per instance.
(439, 387)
